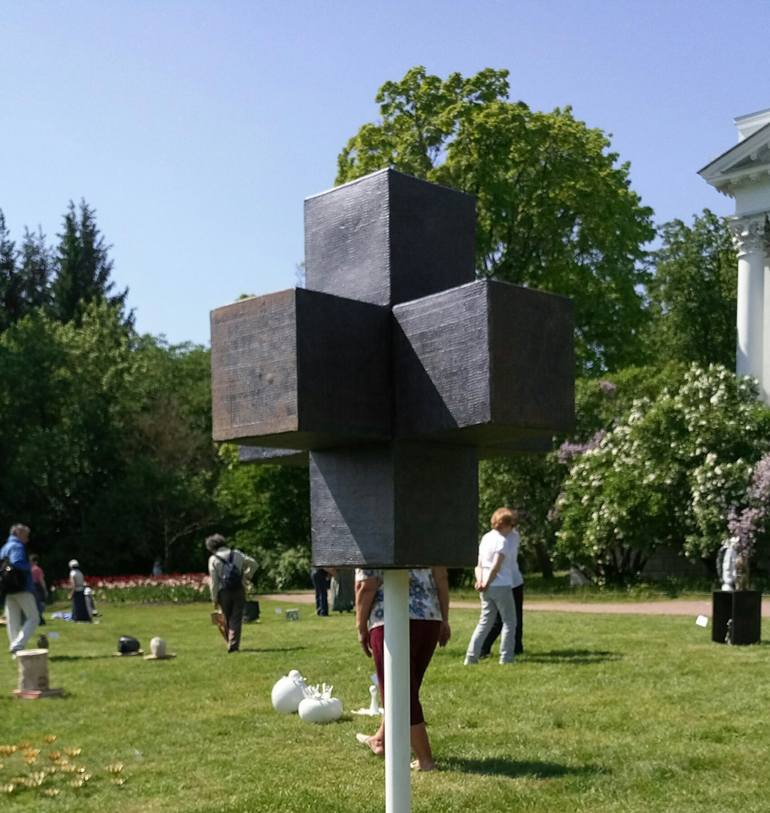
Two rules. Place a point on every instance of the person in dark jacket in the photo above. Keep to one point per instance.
(21, 613)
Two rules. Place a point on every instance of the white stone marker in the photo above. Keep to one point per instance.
(33, 675)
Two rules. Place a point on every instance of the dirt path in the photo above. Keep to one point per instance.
(671, 607)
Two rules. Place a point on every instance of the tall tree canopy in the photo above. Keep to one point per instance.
(555, 209)
(83, 266)
(693, 292)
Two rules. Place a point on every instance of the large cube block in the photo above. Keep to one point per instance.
(300, 369)
(487, 363)
(395, 505)
(388, 238)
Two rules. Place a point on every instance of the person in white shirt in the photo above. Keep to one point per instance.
(518, 600)
(494, 581)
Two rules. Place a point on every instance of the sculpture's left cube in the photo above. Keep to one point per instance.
(300, 369)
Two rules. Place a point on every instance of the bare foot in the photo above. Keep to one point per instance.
(377, 747)
(416, 766)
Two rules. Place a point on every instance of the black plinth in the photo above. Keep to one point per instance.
(744, 608)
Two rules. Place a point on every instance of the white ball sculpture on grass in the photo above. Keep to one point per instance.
(288, 692)
(318, 705)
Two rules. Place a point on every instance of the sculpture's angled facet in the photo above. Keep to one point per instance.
(395, 370)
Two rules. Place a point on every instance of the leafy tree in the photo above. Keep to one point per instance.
(693, 292)
(555, 209)
(266, 508)
(667, 474)
(83, 267)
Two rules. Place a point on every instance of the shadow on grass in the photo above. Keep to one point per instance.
(263, 649)
(82, 657)
(502, 766)
(576, 657)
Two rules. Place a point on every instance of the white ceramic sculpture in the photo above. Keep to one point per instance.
(727, 564)
(158, 647)
(288, 692)
(318, 705)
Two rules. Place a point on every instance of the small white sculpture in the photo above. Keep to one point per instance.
(318, 705)
(288, 692)
(374, 710)
(727, 564)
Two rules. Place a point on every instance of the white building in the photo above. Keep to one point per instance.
(743, 173)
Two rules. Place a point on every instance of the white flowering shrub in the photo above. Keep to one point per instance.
(668, 473)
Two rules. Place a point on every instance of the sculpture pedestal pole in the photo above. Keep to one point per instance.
(397, 747)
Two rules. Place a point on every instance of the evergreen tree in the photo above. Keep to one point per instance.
(35, 266)
(83, 268)
(10, 293)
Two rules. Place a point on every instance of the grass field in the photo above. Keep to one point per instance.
(603, 713)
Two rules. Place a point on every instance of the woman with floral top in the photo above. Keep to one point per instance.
(428, 626)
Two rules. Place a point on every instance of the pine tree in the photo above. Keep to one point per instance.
(35, 266)
(83, 267)
(11, 305)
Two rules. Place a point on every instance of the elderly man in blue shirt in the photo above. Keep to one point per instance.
(21, 614)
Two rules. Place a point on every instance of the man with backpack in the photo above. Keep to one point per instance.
(228, 569)
(21, 613)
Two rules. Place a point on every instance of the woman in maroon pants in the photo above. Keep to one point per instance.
(428, 626)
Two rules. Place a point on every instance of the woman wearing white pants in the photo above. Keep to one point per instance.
(494, 581)
(21, 612)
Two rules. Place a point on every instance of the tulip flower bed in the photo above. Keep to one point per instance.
(177, 588)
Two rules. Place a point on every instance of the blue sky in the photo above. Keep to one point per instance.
(196, 129)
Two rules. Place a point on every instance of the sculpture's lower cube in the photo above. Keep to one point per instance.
(488, 364)
(300, 369)
(395, 505)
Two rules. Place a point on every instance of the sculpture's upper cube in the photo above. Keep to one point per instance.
(388, 238)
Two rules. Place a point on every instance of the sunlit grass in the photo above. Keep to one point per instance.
(603, 713)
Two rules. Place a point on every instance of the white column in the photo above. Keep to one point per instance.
(397, 748)
(749, 234)
(764, 382)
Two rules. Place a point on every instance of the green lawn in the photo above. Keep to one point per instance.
(603, 713)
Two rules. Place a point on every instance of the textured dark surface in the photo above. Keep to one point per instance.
(394, 505)
(486, 364)
(388, 238)
(253, 367)
(395, 370)
(744, 608)
(300, 369)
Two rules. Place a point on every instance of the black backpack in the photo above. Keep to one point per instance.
(231, 577)
(12, 579)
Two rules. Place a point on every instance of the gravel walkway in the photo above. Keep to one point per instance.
(671, 607)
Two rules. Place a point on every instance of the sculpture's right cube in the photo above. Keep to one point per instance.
(487, 364)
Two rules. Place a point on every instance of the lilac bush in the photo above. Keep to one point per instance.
(667, 473)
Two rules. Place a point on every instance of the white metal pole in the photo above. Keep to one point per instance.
(397, 749)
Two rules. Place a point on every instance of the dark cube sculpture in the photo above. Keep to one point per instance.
(300, 369)
(395, 370)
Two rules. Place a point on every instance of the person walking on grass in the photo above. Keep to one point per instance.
(38, 585)
(518, 600)
(494, 581)
(228, 570)
(428, 627)
(21, 613)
